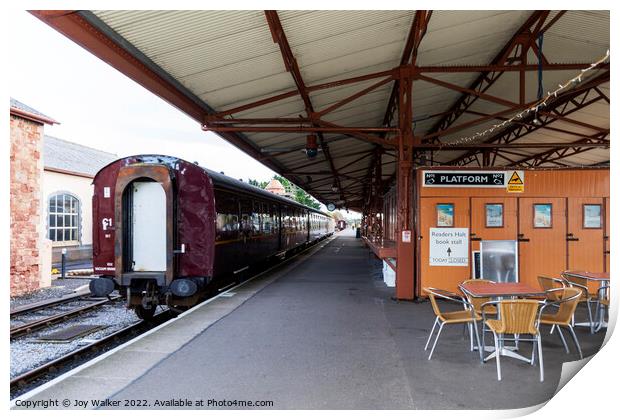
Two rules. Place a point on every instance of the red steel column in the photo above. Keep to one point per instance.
(404, 239)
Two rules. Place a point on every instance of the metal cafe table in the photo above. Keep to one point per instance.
(603, 279)
(501, 291)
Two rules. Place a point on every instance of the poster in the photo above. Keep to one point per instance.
(449, 247)
(494, 215)
(542, 216)
(445, 215)
(592, 216)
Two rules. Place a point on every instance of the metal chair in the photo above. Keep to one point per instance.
(466, 316)
(517, 317)
(552, 287)
(566, 304)
(602, 302)
(551, 283)
(477, 302)
(586, 297)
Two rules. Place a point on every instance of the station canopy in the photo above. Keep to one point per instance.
(280, 84)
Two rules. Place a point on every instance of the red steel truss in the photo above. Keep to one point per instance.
(362, 188)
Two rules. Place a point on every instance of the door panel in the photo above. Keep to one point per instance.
(607, 239)
(447, 278)
(542, 250)
(148, 227)
(585, 240)
(479, 228)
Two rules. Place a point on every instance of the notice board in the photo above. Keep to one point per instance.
(449, 247)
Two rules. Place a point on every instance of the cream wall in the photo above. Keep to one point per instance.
(81, 187)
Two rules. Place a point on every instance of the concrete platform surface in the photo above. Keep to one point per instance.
(322, 334)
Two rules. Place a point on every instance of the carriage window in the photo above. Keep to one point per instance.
(266, 218)
(246, 215)
(274, 217)
(256, 217)
(227, 223)
(63, 218)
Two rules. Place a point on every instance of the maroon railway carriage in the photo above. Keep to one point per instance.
(166, 231)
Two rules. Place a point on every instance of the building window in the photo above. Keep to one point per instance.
(63, 220)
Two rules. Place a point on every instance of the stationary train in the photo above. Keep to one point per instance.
(169, 232)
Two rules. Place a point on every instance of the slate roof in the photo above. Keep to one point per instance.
(20, 106)
(67, 156)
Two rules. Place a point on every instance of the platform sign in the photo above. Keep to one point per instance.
(449, 247)
(464, 179)
(512, 181)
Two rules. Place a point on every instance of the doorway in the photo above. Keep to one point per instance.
(148, 227)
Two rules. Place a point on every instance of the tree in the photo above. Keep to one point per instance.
(337, 215)
(295, 192)
(261, 184)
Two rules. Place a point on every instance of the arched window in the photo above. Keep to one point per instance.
(63, 220)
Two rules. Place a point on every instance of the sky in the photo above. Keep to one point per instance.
(97, 106)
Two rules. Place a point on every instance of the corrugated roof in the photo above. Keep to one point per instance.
(229, 58)
(72, 157)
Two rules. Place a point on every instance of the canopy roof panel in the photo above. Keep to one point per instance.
(267, 80)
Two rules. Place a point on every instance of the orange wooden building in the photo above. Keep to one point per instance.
(559, 218)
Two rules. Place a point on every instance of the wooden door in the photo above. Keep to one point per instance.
(542, 238)
(441, 277)
(607, 239)
(493, 218)
(586, 247)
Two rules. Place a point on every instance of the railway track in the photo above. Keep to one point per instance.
(27, 379)
(47, 321)
(48, 303)
(81, 353)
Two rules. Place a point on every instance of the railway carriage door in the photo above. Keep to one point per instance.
(586, 245)
(606, 238)
(542, 238)
(493, 218)
(148, 227)
(442, 212)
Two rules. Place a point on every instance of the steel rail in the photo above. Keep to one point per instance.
(32, 307)
(158, 319)
(76, 354)
(55, 319)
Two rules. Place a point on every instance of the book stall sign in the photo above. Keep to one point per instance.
(449, 247)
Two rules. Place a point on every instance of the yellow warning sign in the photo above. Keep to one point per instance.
(515, 183)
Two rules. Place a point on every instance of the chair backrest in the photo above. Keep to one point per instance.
(548, 283)
(518, 316)
(431, 296)
(434, 293)
(568, 304)
(603, 295)
(478, 301)
(580, 282)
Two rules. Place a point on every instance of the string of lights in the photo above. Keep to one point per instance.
(537, 106)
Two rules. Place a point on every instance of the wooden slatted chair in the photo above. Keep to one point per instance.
(552, 287)
(602, 304)
(566, 306)
(477, 302)
(516, 317)
(466, 316)
(586, 297)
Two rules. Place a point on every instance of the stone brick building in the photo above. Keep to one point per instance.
(26, 171)
(67, 193)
